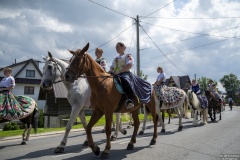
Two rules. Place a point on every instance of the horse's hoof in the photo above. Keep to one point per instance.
(140, 133)
(103, 131)
(113, 129)
(97, 152)
(124, 132)
(59, 150)
(195, 125)
(180, 128)
(85, 143)
(153, 142)
(23, 143)
(104, 155)
(113, 138)
(163, 131)
(130, 147)
(128, 127)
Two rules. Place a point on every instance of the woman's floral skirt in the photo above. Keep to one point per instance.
(15, 107)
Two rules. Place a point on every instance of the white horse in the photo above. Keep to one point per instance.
(78, 96)
(196, 106)
(179, 108)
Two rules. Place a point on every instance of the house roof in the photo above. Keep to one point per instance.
(180, 81)
(26, 63)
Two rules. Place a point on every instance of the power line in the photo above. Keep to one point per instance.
(193, 38)
(111, 9)
(185, 31)
(158, 9)
(194, 18)
(162, 51)
(108, 40)
(190, 48)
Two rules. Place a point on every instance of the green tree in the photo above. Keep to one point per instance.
(203, 83)
(231, 84)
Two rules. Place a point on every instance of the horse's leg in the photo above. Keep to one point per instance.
(214, 113)
(159, 114)
(84, 123)
(136, 123)
(163, 115)
(130, 124)
(155, 117)
(179, 111)
(114, 124)
(73, 116)
(24, 134)
(220, 114)
(29, 127)
(108, 119)
(144, 121)
(169, 115)
(205, 114)
(96, 115)
(195, 118)
(118, 121)
(210, 112)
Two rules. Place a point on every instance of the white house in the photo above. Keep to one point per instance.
(27, 78)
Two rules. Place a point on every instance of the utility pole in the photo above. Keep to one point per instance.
(195, 76)
(138, 50)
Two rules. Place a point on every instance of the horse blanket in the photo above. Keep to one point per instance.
(171, 96)
(203, 100)
(15, 107)
(140, 87)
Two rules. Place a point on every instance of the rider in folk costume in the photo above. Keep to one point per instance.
(196, 89)
(160, 81)
(99, 59)
(132, 85)
(212, 87)
(13, 107)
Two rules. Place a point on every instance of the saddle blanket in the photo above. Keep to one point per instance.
(171, 96)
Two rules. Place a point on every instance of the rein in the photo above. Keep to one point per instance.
(77, 75)
(62, 77)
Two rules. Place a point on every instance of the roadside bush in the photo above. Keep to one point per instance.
(11, 126)
(41, 119)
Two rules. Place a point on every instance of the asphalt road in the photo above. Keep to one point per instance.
(220, 140)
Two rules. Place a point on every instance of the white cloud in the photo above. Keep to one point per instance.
(30, 29)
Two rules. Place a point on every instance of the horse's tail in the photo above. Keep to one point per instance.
(186, 103)
(35, 118)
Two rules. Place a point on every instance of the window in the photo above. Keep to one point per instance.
(28, 90)
(30, 73)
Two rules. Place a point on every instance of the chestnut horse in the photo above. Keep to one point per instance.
(105, 99)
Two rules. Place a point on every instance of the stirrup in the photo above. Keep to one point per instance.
(129, 104)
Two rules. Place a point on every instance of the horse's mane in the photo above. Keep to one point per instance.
(95, 65)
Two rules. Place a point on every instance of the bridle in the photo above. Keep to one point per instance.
(79, 71)
(56, 67)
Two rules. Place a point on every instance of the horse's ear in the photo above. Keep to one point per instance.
(50, 55)
(71, 51)
(85, 48)
(44, 58)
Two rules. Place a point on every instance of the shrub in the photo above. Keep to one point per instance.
(11, 126)
(7, 127)
(41, 119)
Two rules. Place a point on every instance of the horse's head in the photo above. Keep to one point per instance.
(51, 72)
(190, 94)
(77, 64)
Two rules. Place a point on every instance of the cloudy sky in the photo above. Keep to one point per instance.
(185, 37)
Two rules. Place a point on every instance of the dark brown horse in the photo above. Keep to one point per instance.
(30, 121)
(105, 99)
(214, 105)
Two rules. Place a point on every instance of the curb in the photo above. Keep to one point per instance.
(52, 133)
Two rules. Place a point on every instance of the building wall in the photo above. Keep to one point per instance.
(19, 90)
(30, 66)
